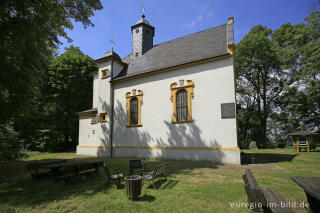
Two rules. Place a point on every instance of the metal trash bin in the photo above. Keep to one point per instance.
(133, 185)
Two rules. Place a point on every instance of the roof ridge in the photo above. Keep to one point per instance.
(191, 34)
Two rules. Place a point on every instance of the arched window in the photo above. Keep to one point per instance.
(134, 102)
(134, 111)
(181, 97)
(182, 105)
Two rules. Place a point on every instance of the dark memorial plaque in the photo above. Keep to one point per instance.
(228, 110)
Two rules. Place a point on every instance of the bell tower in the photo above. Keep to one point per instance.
(142, 36)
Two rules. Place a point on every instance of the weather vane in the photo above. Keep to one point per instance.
(112, 42)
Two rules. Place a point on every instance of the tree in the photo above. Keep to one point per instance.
(311, 68)
(68, 90)
(278, 81)
(29, 36)
(303, 42)
(260, 78)
(29, 32)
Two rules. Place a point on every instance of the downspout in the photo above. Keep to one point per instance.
(111, 110)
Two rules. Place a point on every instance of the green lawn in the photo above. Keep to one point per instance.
(191, 186)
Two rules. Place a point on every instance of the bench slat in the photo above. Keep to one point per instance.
(252, 182)
(270, 199)
(80, 170)
(35, 165)
(161, 169)
(252, 199)
(251, 179)
(274, 200)
(86, 171)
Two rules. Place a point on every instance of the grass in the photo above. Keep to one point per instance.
(191, 186)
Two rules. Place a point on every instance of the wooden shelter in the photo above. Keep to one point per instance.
(301, 139)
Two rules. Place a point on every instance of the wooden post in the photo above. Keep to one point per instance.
(293, 139)
(298, 142)
(308, 145)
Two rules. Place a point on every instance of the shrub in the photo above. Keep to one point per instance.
(9, 142)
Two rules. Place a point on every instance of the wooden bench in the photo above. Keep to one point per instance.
(136, 166)
(263, 199)
(159, 170)
(247, 158)
(37, 170)
(311, 186)
(78, 170)
(113, 175)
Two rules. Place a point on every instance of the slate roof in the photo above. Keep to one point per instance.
(301, 133)
(194, 47)
(93, 110)
(109, 54)
(143, 20)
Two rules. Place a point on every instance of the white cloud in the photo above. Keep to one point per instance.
(194, 22)
(211, 13)
(203, 15)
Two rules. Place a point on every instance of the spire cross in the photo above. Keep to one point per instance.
(112, 42)
(143, 11)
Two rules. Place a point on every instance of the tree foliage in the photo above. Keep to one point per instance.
(29, 35)
(260, 77)
(68, 91)
(65, 89)
(278, 75)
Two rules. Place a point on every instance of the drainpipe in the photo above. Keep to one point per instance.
(111, 110)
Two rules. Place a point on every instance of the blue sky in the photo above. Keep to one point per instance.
(176, 18)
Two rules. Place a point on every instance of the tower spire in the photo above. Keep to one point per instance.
(142, 36)
(143, 16)
(112, 43)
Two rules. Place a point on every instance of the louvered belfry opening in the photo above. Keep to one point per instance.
(182, 105)
(134, 111)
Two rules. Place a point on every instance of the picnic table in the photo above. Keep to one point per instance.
(311, 186)
(66, 170)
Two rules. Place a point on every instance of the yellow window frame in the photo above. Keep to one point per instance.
(129, 96)
(103, 117)
(189, 89)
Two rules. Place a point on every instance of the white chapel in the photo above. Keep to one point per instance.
(174, 100)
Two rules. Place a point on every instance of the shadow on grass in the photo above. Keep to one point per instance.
(18, 189)
(28, 192)
(163, 184)
(170, 184)
(148, 198)
(264, 158)
(119, 186)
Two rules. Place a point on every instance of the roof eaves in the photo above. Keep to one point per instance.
(136, 74)
(88, 112)
(104, 59)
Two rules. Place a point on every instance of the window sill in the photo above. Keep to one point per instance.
(134, 126)
(103, 121)
(182, 122)
(94, 122)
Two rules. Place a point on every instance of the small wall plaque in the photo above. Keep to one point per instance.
(228, 110)
(181, 82)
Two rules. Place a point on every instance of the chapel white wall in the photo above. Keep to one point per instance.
(117, 67)
(213, 85)
(93, 135)
(87, 131)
